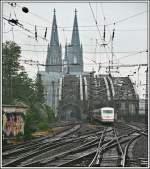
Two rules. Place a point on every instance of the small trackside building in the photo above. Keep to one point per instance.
(13, 121)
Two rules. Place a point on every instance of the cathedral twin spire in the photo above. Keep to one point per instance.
(54, 52)
(75, 33)
(54, 33)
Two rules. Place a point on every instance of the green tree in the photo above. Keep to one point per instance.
(49, 111)
(39, 89)
(16, 83)
(19, 88)
(29, 128)
(10, 67)
(24, 88)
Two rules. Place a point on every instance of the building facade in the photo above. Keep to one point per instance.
(54, 50)
(56, 68)
(13, 121)
(73, 51)
(142, 106)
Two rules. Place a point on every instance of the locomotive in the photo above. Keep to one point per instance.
(104, 114)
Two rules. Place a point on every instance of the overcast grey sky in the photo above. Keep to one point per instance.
(130, 34)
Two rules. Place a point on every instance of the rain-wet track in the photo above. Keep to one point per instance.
(103, 147)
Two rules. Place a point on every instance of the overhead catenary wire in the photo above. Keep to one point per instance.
(42, 18)
(90, 52)
(117, 21)
(95, 20)
(33, 62)
(85, 30)
(90, 25)
(63, 28)
(106, 44)
(83, 44)
(103, 42)
(44, 28)
(127, 18)
(22, 27)
(122, 57)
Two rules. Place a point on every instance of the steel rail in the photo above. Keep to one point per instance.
(101, 149)
(50, 146)
(42, 148)
(108, 145)
(124, 157)
(99, 145)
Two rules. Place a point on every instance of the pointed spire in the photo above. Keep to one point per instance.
(54, 50)
(54, 32)
(75, 34)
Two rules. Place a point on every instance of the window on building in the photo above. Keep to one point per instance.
(131, 108)
(122, 105)
(75, 60)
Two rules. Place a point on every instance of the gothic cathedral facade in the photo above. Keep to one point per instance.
(57, 65)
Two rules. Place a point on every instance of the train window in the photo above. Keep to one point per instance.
(107, 111)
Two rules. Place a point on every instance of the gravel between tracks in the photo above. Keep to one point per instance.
(140, 149)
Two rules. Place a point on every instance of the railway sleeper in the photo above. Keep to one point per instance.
(94, 151)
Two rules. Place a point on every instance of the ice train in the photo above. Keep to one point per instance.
(104, 114)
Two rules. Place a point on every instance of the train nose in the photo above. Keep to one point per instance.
(108, 117)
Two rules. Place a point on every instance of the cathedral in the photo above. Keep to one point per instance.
(73, 59)
(57, 67)
(73, 51)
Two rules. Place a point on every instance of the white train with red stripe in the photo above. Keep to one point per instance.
(104, 114)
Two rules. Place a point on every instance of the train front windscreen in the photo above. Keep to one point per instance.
(108, 111)
(107, 115)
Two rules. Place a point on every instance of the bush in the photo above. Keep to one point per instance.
(43, 125)
(28, 129)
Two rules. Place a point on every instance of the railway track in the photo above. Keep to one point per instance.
(17, 156)
(95, 148)
(49, 140)
(81, 157)
(130, 127)
(25, 146)
(111, 155)
(25, 151)
(65, 125)
(76, 155)
(59, 158)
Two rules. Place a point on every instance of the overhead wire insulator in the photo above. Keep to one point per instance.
(13, 21)
(13, 4)
(139, 68)
(113, 34)
(35, 33)
(45, 33)
(99, 67)
(104, 32)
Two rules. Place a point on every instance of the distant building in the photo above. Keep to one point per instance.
(73, 52)
(56, 68)
(54, 50)
(13, 121)
(142, 106)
